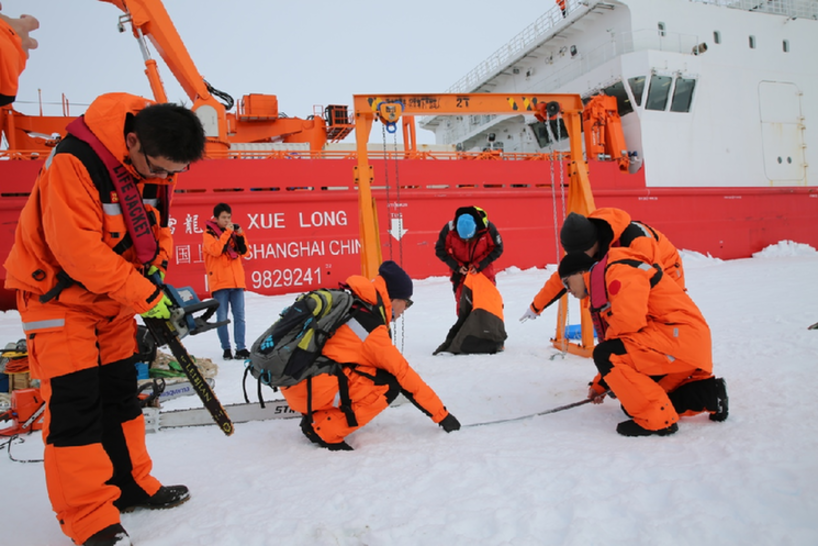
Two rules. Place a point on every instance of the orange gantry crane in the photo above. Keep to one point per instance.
(388, 109)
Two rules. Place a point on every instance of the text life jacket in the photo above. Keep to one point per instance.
(598, 290)
(130, 200)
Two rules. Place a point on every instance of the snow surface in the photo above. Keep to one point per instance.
(564, 478)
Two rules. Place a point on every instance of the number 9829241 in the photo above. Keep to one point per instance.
(283, 278)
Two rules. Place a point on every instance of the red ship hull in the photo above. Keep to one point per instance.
(301, 215)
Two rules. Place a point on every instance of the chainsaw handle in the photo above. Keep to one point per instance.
(209, 306)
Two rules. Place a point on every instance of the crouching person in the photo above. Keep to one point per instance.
(655, 349)
(373, 371)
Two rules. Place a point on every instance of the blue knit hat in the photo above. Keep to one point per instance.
(466, 226)
(398, 283)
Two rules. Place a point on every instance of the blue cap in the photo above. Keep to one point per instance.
(466, 227)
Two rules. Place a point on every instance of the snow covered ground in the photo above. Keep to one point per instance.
(565, 478)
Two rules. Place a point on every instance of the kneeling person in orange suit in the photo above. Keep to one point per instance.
(375, 370)
(655, 349)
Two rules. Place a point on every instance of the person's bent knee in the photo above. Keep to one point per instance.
(603, 352)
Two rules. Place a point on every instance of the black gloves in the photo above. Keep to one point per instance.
(450, 423)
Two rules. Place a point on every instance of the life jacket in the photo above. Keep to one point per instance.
(117, 189)
(125, 195)
(598, 289)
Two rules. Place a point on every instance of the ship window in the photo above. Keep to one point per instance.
(637, 87)
(661, 29)
(786, 46)
(752, 42)
(658, 92)
(547, 133)
(540, 133)
(623, 102)
(716, 36)
(682, 95)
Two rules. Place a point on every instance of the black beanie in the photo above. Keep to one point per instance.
(398, 283)
(577, 233)
(575, 262)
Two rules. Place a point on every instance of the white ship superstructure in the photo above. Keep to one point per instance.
(710, 93)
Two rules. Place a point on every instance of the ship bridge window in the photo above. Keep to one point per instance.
(752, 42)
(786, 46)
(662, 29)
(682, 95)
(637, 88)
(658, 92)
(623, 101)
(716, 37)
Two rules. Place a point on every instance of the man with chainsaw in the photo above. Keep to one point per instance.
(373, 371)
(654, 352)
(94, 227)
(601, 230)
(469, 243)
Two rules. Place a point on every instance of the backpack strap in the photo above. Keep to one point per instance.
(346, 402)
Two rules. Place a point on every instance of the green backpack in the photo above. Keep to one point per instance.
(289, 352)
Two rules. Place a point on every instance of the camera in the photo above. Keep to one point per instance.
(236, 227)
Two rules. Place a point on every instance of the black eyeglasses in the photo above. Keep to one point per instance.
(565, 283)
(409, 303)
(160, 171)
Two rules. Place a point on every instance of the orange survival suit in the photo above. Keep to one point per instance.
(616, 229)
(71, 249)
(375, 370)
(653, 337)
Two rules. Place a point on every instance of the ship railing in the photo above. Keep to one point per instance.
(492, 155)
(796, 9)
(519, 45)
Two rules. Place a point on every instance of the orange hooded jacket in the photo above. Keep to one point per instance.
(646, 237)
(222, 270)
(64, 226)
(364, 353)
(661, 323)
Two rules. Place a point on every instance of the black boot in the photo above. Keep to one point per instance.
(312, 436)
(228, 354)
(720, 413)
(113, 535)
(242, 354)
(631, 428)
(167, 497)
